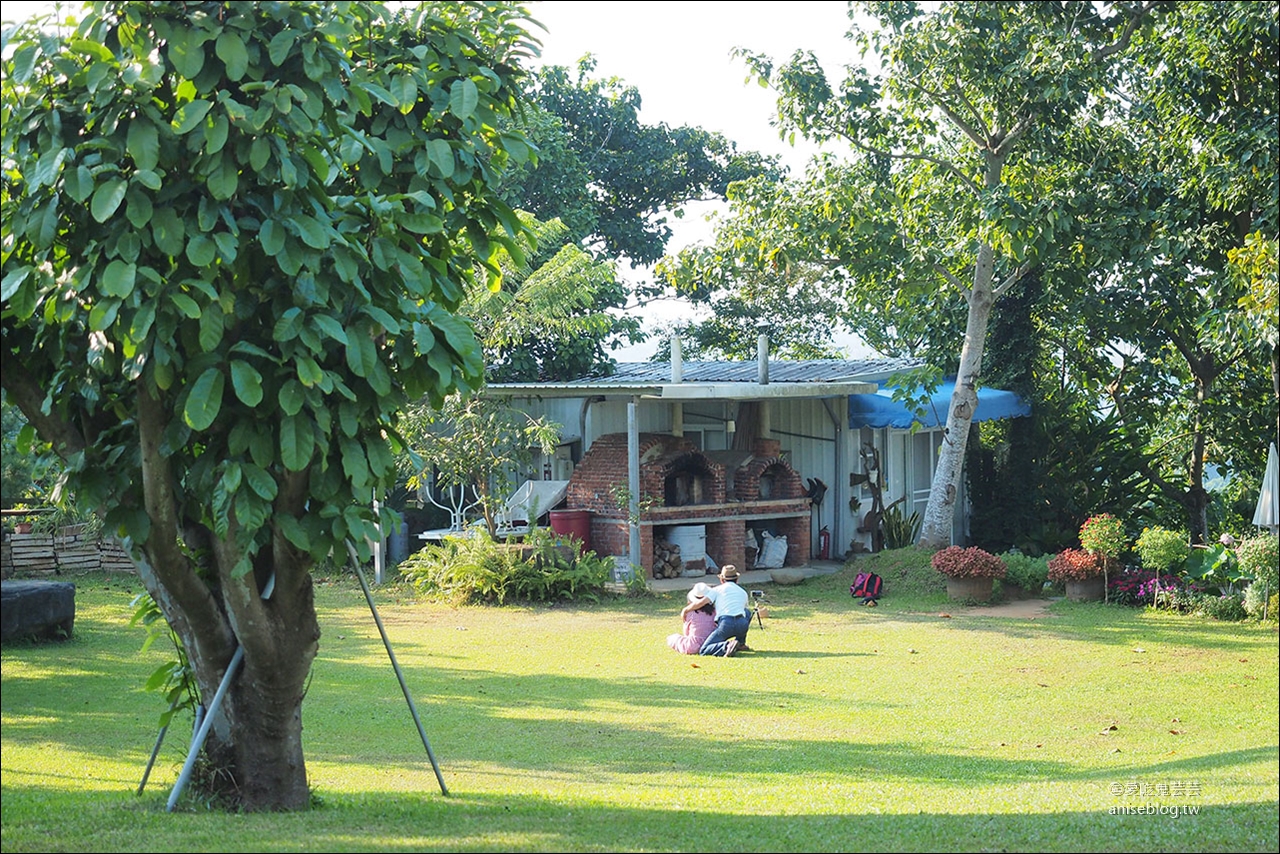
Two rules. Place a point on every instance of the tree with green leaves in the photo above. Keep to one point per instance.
(612, 179)
(949, 193)
(549, 318)
(234, 239)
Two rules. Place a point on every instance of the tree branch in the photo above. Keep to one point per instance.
(1011, 280)
(950, 277)
(1006, 144)
(1125, 35)
(937, 161)
(20, 385)
(983, 142)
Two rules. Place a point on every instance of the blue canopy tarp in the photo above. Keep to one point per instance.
(881, 410)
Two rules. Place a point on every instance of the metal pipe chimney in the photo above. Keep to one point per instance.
(677, 359)
(762, 358)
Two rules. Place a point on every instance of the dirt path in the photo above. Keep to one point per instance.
(1022, 609)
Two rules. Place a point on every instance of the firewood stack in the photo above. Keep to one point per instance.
(666, 560)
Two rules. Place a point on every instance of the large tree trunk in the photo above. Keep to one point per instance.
(255, 743)
(935, 532)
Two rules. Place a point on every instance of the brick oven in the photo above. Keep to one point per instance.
(730, 492)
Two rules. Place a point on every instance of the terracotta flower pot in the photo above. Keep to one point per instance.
(970, 589)
(1089, 590)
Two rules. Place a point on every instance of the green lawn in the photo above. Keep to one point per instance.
(575, 728)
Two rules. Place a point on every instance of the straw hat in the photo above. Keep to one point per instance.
(729, 572)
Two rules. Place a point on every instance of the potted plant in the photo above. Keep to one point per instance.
(970, 572)
(1080, 571)
(1103, 537)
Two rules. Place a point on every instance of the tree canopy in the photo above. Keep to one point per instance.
(234, 239)
(1100, 176)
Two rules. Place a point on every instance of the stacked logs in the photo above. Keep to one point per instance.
(666, 560)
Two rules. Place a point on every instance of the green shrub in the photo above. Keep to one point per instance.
(1259, 558)
(1162, 550)
(478, 569)
(1029, 573)
(900, 530)
(1229, 606)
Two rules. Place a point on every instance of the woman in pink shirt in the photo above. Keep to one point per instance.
(698, 624)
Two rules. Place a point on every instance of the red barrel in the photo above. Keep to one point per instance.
(573, 523)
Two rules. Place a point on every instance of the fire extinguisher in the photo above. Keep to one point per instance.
(824, 544)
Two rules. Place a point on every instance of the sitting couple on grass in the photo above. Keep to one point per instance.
(716, 619)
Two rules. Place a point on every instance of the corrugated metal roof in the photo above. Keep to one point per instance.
(781, 371)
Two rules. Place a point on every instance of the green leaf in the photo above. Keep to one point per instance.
(292, 397)
(201, 251)
(186, 52)
(281, 42)
(224, 178)
(297, 442)
(185, 304)
(48, 167)
(251, 511)
(168, 231)
(107, 198)
(293, 532)
(361, 355)
(405, 89)
(142, 320)
(329, 326)
(204, 402)
(354, 465)
(212, 324)
(271, 236)
(103, 314)
(309, 373)
(12, 281)
(441, 154)
(259, 153)
(312, 232)
(247, 382)
(118, 279)
(143, 143)
(260, 482)
(24, 62)
(189, 116)
(230, 49)
(463, 98)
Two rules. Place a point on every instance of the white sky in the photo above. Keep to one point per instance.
(677, 54)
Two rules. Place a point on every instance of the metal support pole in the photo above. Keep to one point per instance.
(395, 665)
(202, 731)
(198, 742)
(633, 484)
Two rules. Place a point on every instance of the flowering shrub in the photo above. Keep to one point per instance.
(1259, 557)
(1074, 565)
(955, 562)
(1103, 535)
(1139, 586)
(1162, 549)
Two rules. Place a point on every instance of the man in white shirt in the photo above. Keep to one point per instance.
(733, 618)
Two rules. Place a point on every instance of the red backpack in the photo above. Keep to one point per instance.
(867, 586)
